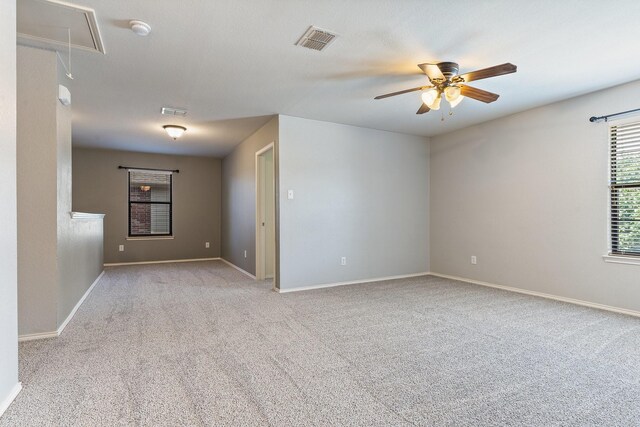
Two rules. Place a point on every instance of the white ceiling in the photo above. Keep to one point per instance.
(233, 63)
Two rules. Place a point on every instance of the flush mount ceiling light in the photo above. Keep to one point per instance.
(140, 28)
(174, 131)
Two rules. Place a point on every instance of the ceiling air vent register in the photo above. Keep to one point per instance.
(316, 38)
(171, 111)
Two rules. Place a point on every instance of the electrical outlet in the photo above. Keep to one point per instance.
(206, 245)
(245, 253)
(343, 260)
(121, 248)
(474, 260)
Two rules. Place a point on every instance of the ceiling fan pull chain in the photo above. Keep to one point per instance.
(442, 117)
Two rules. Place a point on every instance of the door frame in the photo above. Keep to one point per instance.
(260, 267)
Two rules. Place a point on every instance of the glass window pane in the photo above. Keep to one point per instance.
(150, 219)
(149, 187)
(627, 226)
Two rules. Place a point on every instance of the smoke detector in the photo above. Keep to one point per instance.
(140, 28)
(316, 38)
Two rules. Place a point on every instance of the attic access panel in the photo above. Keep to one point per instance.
(46, 22)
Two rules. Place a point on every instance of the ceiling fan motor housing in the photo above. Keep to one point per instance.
(449, 69)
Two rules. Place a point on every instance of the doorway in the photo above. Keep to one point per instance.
(265, 214)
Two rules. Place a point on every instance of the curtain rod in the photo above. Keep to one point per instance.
(606, 118)
(150, 169)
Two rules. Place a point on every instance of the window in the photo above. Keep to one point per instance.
(149, 203)
(625, 189)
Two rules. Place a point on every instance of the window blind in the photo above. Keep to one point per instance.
(150, 203)
(625, 189)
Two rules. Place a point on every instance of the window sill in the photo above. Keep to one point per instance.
(151, 238)
(621, 259)
(84, 215)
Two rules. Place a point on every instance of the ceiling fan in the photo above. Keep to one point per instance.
(445, 80)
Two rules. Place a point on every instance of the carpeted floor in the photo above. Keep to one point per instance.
(201, 344)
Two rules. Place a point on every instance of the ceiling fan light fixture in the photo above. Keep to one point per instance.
(435, 105)
(452, 93)
(446, 81)
(174, 131)
(429, 97)
(457, 101)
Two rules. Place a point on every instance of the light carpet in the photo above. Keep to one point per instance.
(202, 344)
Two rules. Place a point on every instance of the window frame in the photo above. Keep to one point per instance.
(170, 203)
(614, 255)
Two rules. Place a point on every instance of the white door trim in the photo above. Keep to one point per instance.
(259, 255)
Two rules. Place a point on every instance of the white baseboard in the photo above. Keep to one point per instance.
(10, 398)
(352, 282)
(542, 295)
(168, 261)
(56, 333)
(37, 336)
(237, 268)
(73, 312)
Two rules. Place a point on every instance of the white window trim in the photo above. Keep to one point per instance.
(610, 257)
(126, 207)
(621, 259)
(150, 237)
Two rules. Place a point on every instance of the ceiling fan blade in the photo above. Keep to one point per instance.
(423, 109)
(478, 94)
(432, 71)
(401, 92)
(485, 73)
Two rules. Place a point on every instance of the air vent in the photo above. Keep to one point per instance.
(170, 111)
(316, 38)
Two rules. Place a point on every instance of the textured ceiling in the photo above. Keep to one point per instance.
(233, 63)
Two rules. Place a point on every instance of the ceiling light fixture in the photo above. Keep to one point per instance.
(140, 28)
(429, 96)
(451, 93)
(445, 81)
(457, 101)
(433, 96)
(174, 131)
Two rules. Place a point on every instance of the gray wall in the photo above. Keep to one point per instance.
(239, 197)
(359, 193)
(8, 224)
(37, 190)
(79, 241)
(80, 262)
(58, 258)
(99, 186)
(527, 194)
